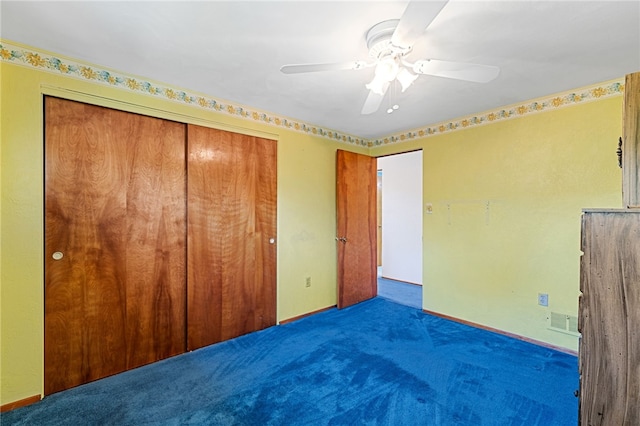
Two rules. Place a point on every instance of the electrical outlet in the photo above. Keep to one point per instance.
(543, 299)
(307, 282)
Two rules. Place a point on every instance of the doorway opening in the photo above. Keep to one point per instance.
(399, 211)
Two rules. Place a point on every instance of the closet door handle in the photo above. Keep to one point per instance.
(343, 240)
(57, 255)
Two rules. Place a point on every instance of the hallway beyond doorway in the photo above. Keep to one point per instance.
(400, 292)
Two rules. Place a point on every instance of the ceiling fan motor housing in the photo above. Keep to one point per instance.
(379, 40)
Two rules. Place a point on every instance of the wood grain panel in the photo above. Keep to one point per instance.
(232, 215)
(631, 141)
(114, 206)
(85, 219)
(356, 221)
(156, 239)
(264, 290)
(610, 319)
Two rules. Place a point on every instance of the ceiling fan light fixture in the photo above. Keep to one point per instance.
(405, 78)
(377, 85)
(387, 69)
(389, 42)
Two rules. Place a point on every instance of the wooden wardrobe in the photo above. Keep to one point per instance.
(159, 239)
(609, 319)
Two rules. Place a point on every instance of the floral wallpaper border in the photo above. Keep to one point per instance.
(587, 94)
(43, 61)
(32, 58)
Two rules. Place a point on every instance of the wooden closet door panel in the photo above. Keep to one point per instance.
(232, 216)
(115, 208)
(237, 254)
(265, 233)
(204, 238)
(85, 220)
(156, 240)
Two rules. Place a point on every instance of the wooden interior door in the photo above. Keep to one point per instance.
(356, 227)
(231, 235)
(115, 230)
(379, 215)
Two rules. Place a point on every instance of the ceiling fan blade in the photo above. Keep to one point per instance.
(303, 68)
(373, 101)
(415, 19)
(457, 70)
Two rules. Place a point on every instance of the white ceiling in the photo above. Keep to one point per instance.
(233, 50)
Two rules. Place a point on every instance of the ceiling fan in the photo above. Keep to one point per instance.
(389, 42)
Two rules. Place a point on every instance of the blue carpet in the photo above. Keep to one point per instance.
(375, 363)
(400, 292)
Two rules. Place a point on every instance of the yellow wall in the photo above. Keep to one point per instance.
(536, 172)
(306, 205)
(507, 200)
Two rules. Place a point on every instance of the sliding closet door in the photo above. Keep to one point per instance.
(231, 235)
(115, 232)
(155, 238)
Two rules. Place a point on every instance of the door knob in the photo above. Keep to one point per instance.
(343, 240)
(57, 255)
